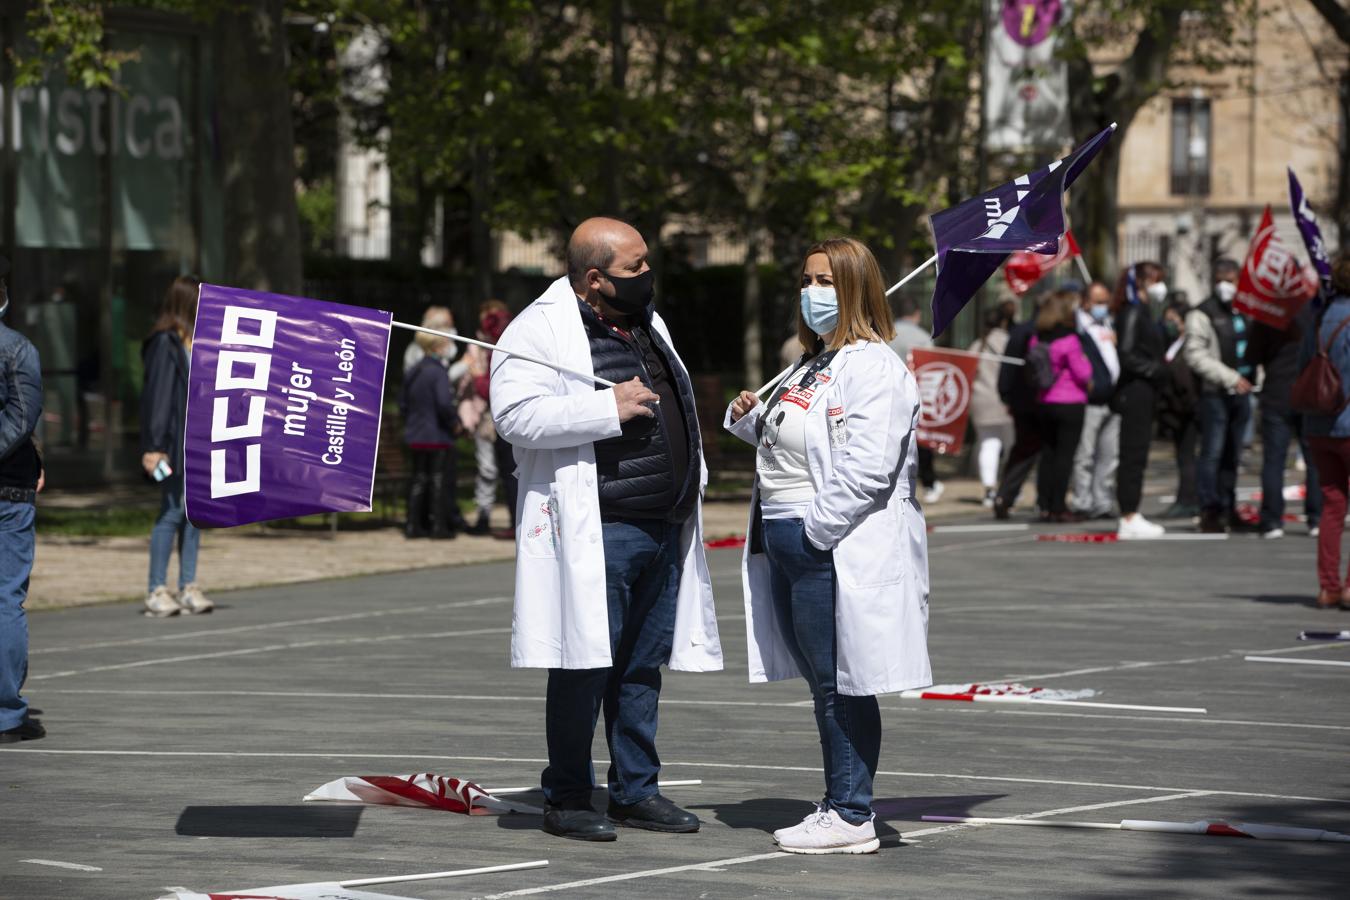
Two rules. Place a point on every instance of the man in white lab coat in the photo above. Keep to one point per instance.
(611, 579)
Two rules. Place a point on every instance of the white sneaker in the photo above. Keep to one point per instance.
(988, 502)
(160, 603)
(934, 493)
(1138, 528)
(1273, 534)
(1314, 531)
(194, 601)
(784, 832)
(824, 832)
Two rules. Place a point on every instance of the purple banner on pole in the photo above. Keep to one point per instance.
(974, 237)
(283, 413)
(1306, 220)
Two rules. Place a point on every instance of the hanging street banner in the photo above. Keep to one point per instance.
(1023, 269)
(1026, 88)
(946, 380)
(283, 411)
(1272, 286)
(1306, 220)
(974, 237)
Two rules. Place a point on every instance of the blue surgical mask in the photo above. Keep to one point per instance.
(820, 309)
(1099, 313)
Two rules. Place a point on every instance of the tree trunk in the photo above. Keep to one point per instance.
(480, 200)
(262, 225)
(1093, 210)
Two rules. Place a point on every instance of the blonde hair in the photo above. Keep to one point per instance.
(861, 291)
(1059, 311)
(439, 318)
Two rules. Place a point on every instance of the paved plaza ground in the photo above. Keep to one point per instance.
(179, 749)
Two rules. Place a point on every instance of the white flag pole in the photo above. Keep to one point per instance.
(904, 281)
(361, 882)
(775, 379)
(1082, 267)
(1011, 360)
(477, 343)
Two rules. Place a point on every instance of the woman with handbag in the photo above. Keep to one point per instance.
(1320, 393)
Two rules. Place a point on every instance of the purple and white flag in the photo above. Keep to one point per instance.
(283, 412)
(1306, 220)
(974, 237)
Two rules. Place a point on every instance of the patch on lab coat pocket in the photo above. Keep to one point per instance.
(838, 427)
(539, 522)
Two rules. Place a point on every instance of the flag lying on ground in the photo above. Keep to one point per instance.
(1306, 220)
(945, 380)
(283, 411)
(1272, 286)
(422, 790)
(1024, 268)
(974, 237)
(1001, 689)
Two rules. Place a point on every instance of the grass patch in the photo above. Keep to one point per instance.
(111, 521)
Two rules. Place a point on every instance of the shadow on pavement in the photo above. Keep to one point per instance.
(269, 821)
(1308, 599)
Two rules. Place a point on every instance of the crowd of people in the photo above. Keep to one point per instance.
(1080, 390)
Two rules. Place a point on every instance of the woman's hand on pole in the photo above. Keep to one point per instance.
(743, 404)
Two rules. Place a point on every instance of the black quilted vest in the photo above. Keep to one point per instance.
(636, 480)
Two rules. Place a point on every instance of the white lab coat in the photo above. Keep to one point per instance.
(862, 456)
(552, 420)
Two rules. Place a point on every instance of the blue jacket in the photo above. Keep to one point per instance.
(164, 399)
(20, 402)
(1337, 311)
(429, 416)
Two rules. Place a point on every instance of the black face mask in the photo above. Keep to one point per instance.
(634, 294)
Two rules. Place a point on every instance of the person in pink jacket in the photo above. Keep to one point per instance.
(1063, 376)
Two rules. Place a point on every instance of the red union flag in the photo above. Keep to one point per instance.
(1272, 287)
(946, 379)
(1024, 268)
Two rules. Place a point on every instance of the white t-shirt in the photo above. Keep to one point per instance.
(785, 489)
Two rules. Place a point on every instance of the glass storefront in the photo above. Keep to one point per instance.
(114, 194)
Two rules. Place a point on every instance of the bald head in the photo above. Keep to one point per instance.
(600, 246)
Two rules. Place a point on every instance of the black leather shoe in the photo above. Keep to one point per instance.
(27, 730)
(578, 824)
(656, 813)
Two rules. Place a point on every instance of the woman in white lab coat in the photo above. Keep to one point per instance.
(836, 561)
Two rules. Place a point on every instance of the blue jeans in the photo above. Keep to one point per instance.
(16, 563)
(642, 577)
(1223, 421)
(173, 523)
(850, 727)
(1277, 428)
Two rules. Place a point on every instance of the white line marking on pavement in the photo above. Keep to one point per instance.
(1301, 648)
(1293, 661)
(972, 545)
(318, 620)
(929, 709)
(78, 867)
(743, 767)
(717, 864)
(979, 529)
(271, 648)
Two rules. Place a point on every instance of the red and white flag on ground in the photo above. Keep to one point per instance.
(1024, 268)
(427, 791)
(969, 692)
(946, 380)
(1272, 287)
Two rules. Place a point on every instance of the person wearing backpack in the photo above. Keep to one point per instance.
(1217, 339)
(1094, 465)
(1017, 393)
(1325, 360)
(1140, 289)
(1062, 376)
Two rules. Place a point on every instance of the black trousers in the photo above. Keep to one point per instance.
(1186, 441)
(927, 477)
(1061, 425)
(1021, 458)
(1134, 402)
(432, 507)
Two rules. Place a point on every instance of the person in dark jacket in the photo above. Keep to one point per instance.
(1276, 352)
(429, 426)
(1020, 398)
(1176, 412)
(1140, 289)
(163, 414)
(1329, 435)
(21, 478)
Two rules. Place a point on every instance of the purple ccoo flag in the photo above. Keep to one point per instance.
(1027, 213)
(1306, 220)
(283, 411)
